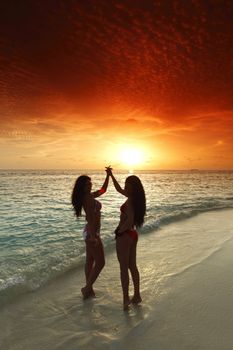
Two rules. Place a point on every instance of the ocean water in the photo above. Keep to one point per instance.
(40, 238)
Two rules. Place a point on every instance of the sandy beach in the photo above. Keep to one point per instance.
(186, 283)
(116, 114)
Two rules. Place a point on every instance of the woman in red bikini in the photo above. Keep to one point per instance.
(83, 198)
(132, 216)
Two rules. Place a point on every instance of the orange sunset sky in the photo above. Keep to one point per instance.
(84, 84)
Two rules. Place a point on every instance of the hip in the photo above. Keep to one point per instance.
(86, 232)
(132, 233)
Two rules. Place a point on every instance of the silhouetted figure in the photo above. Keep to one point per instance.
(132, 217)
(83, 198)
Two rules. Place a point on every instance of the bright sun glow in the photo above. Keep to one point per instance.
(131, 156)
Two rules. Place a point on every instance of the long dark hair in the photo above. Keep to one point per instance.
(138, 199)
(78, 194)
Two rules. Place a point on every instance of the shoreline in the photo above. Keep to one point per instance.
(19, 291)
(56, 317)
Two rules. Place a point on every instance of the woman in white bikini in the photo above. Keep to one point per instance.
(83, 198)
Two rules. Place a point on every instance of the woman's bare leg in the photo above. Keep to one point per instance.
(123, 248)
(89, 266)
(134, 273)
(97, 252)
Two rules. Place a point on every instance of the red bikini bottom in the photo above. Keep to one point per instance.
(132, 233)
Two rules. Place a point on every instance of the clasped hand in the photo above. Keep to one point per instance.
(108, 170)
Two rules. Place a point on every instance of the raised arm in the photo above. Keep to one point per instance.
(104, 187)
(116, 184)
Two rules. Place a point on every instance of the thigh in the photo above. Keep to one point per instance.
(89, 250)
(95, 251)
(99, 251)
(123, 245)
(133, 254)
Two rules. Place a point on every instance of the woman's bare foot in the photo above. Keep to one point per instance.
(136, 299)
(86, 292)
(126, 304)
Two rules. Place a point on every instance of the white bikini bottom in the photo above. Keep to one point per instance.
(86, 234)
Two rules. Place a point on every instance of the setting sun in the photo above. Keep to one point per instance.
(107, 98)
(131, 156)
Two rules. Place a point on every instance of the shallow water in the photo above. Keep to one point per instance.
(41, 239)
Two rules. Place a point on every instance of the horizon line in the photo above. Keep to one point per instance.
(101, 169)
